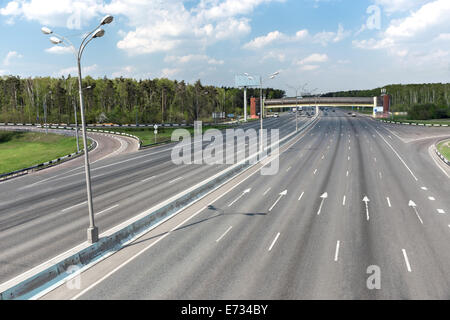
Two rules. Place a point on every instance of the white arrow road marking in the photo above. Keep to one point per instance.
(336, 255)
(221, 237)
(324, 196)
(282, 194)
(243, 194)
(273, 242)
(408, 266)
(414, 206)
(366, 201)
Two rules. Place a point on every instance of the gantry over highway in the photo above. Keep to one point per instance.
(324, 102)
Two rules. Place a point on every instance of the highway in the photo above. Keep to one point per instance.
(45, 214)
(352, 195)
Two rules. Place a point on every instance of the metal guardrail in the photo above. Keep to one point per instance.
(415, 123)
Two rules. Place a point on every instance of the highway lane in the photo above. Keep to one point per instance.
(42, 216)
(306, 247)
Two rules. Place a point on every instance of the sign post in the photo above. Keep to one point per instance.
(156, 131)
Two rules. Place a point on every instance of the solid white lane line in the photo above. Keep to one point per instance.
(343, 201)
(408, 266)
(66, 209)
(266, 191)
(273, 242)
(221, 237)
(110, 208)
(301, 196)
(152, 177)
(398, 156)
(174, 180)
(336, 255)
(389, 202)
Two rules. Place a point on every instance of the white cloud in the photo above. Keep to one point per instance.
(393, 6)
(169, 73)
(74, 71)
(58, 50)
(275, 37)
(126, 72)
(192, 58)
(326, 37)
(9, 56)
(313, 58)
(263, 41)
(309, 67)
(61, 13)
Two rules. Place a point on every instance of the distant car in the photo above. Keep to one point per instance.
(353, 114)
(276, 115)
(334, 110)
(349, 113)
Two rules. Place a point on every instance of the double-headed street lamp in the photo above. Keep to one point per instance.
(98, 32)
(261, 105)
(298, 90)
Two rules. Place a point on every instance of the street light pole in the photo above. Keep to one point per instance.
(76, 124)
(261, 109)
(92, 231)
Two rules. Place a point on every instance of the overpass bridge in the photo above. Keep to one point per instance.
(323, 102)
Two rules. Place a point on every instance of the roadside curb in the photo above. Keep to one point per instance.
(47, 274)
(440, 155)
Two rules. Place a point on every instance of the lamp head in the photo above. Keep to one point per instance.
(99, 33)
(107, 20)
(46, 30)
(55, 40)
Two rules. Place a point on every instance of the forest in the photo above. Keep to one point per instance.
(421, 101)
(119, 100)
(124, 100)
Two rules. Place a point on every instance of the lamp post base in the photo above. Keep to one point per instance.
(92, 235)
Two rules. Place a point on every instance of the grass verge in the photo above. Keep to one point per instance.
(19, 150)
(444, 149)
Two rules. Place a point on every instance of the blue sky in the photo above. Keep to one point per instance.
(329, 44)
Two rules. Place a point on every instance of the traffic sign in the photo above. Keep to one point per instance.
(156, 127)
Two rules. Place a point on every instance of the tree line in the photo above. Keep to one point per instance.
(421, 101)
(119, 100)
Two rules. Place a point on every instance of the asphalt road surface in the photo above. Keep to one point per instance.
(358, 210)
(45, 214)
